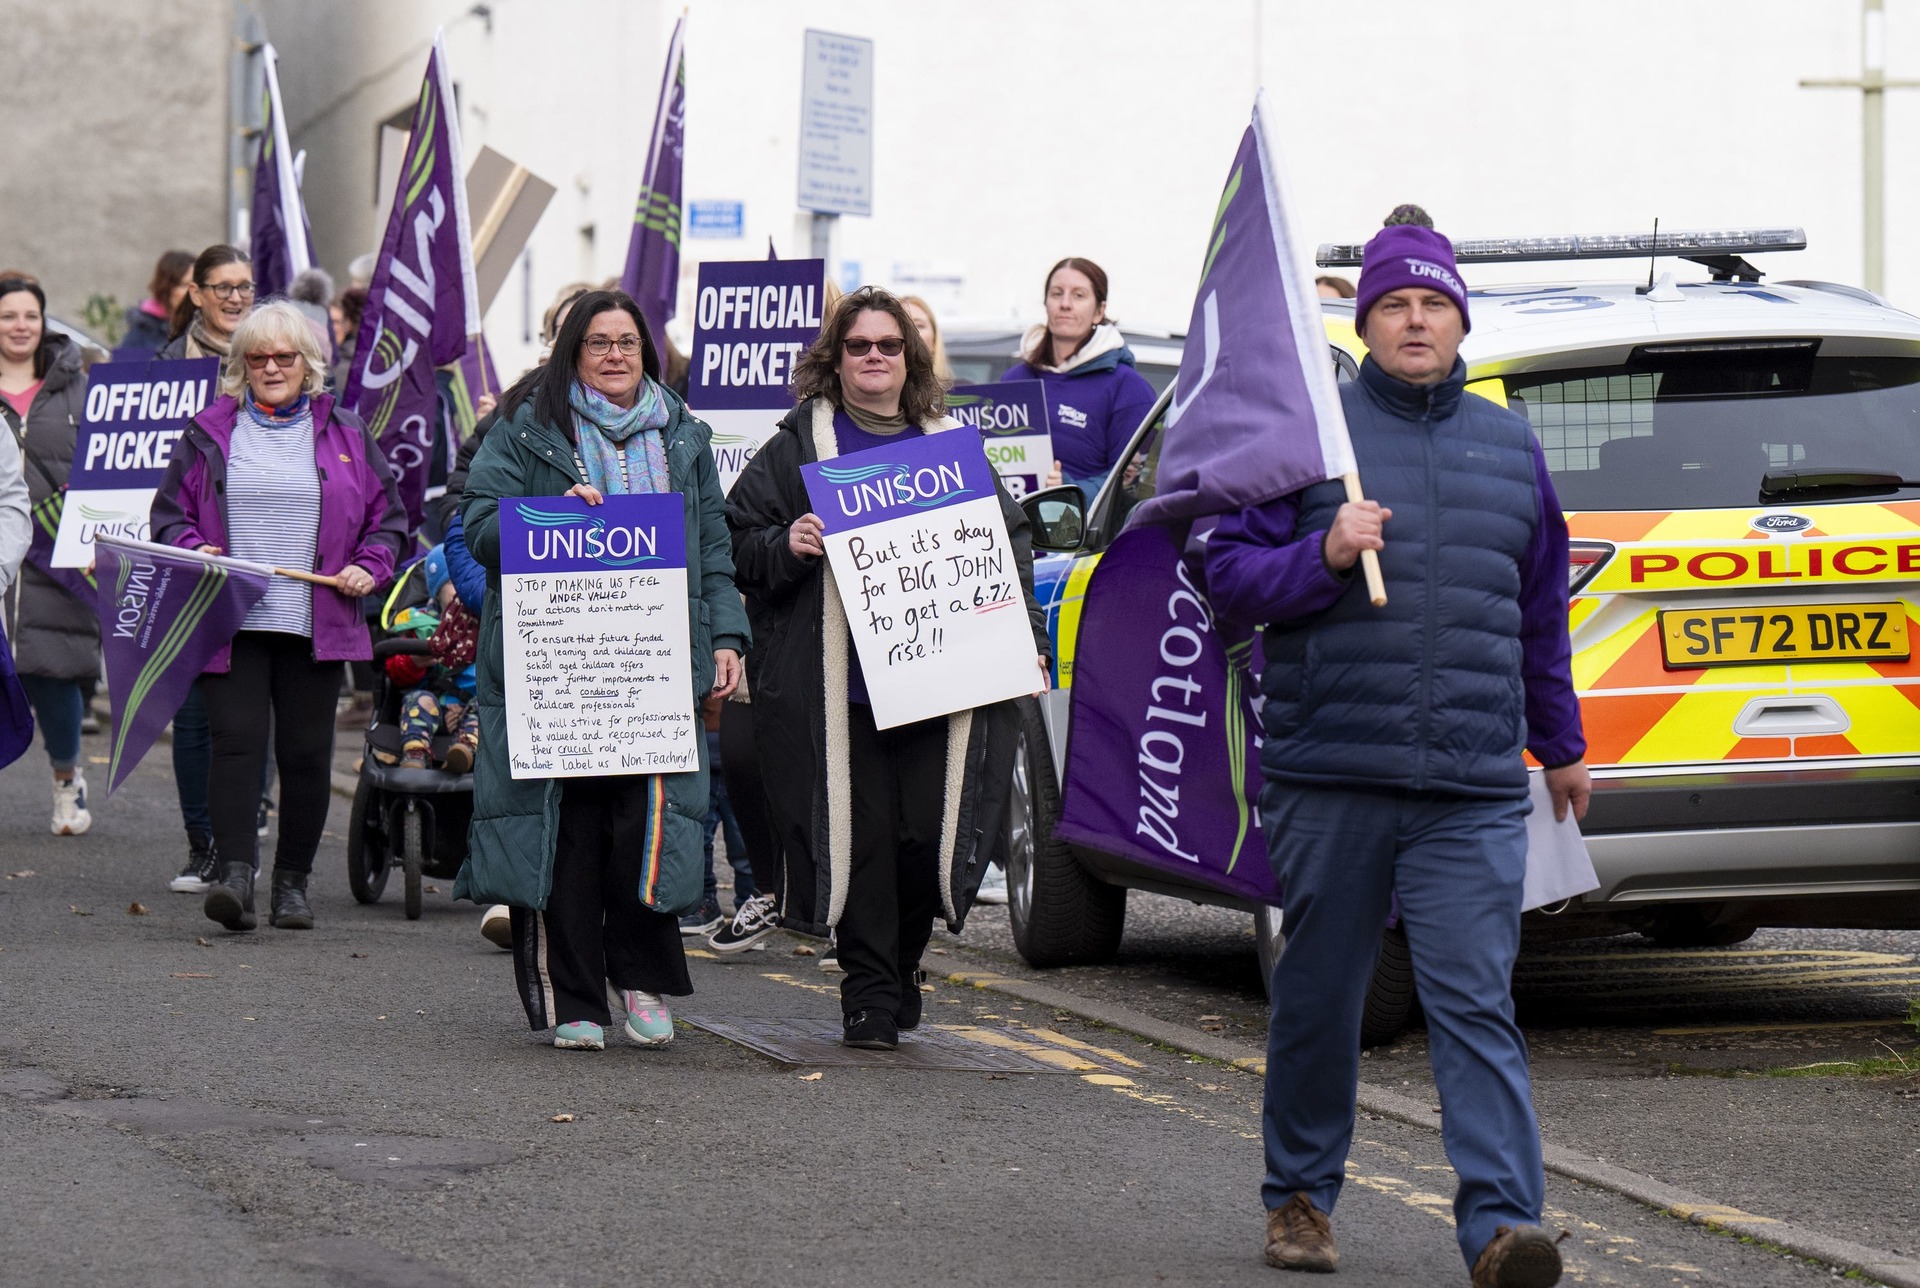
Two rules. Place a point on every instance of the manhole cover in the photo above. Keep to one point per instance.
(964, 1047)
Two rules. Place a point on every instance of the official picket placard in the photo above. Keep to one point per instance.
(926, 573)
(1013, 422)
(594, 618)
(752, 321)
(135, 413)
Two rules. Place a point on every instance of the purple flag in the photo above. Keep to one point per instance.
(422, 304)
(16, 716)
(281, 238)
(1255, 413)
(1164, 761)
(46, 531)
(164, 613)
(473, 378)
(652, 275)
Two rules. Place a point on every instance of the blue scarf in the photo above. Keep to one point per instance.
(622, 449)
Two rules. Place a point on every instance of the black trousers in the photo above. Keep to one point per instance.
(893, 890)
(747, 793)
(594, 930)
(273, 690)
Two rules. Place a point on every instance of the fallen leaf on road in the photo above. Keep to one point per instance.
(379, 1017)
(249, 1018)
(22, 874)
(356, 954)
(926, 988)
(191, 974)
(801, 950)
(996, 1077)
(136, 910)
(812, 1077)
(98, 760)
(202, 942)
(561, 1118)
(77, 910)
(432, 889)
(1204, 1018)
(940, 952)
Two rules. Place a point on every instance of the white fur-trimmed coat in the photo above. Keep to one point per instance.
(797, 669)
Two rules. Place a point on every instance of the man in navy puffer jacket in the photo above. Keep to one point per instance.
(1393, 758)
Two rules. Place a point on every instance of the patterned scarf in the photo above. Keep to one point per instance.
(622, 450)
(203, 343)
(278, 417)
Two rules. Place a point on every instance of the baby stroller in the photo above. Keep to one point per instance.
(415, 818)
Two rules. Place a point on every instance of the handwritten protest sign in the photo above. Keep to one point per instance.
(919, 549)
(594, 617)
(752, 321)
(135, 413)
(1013, 421)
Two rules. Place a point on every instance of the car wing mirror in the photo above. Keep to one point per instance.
(1058, 516)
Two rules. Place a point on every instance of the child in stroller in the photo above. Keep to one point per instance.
(438, 685)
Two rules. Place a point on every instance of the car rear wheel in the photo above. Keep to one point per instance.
(1391, 1000)
(1692, 927)
(1061, 915)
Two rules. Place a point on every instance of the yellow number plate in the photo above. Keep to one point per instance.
(1815, 633)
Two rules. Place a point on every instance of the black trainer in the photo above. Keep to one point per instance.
(908, 1017)
(871, 1031)
(202, 866)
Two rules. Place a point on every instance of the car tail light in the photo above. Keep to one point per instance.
(1584, 559)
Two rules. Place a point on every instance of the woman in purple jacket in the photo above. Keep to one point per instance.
(274, 472)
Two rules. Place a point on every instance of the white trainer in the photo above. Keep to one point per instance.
(70, 814)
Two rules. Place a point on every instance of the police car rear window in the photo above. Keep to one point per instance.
(1698, 426)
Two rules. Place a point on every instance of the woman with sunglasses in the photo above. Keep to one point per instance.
(273, 471)
(596, 871)
(881, 830)
(219, 297)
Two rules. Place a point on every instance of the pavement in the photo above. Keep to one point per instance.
(362, 1105)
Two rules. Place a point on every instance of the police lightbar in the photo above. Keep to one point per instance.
(1695, 244)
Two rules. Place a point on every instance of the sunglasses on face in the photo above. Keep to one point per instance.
(284, 361)
(599, 345)
(227, 290)
(890, 347)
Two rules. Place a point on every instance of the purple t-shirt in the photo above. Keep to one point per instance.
(853, 439)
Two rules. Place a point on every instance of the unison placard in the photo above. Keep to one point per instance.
(135, 412)
(599, 676)
(926, 572)
(1013, 423)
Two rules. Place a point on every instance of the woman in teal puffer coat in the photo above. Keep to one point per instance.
(597, 870)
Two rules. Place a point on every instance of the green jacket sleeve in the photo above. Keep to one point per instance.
(497, 471)
(725, 613)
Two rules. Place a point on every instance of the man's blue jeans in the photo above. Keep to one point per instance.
(719, 817)
(1457, 864)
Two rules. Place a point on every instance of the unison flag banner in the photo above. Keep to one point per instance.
(926, 576)
(752, 320)
(135, 413)
(1255, 413)
(1163, 766)
(164, 613)
(474, 379)
(45, 518)
(652, 274)
(281, 239)
(422, 303)
(594, 615)
(1014, 423)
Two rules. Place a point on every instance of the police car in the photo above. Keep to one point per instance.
(1739, 461)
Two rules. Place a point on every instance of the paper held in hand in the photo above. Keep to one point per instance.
(920, 554)
(599, 670)
(1558, 866)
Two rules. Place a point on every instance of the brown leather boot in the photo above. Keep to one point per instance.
(1299, 1237)
(1519, 1256)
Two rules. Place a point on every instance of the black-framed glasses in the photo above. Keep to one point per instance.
(892, 346)
(284, 360)
(227, 290)
(599, 345)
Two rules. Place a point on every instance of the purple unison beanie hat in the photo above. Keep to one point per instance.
(1406, 255)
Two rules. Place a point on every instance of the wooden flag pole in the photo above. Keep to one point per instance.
(334, 582)
(1369, 559)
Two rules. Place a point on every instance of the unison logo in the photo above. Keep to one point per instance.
(864, 488)
(554, 535)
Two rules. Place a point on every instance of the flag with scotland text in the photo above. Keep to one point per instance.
(164, 613)
(1163, 766)
(280, 238)
(422, 304)
(652, 274)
